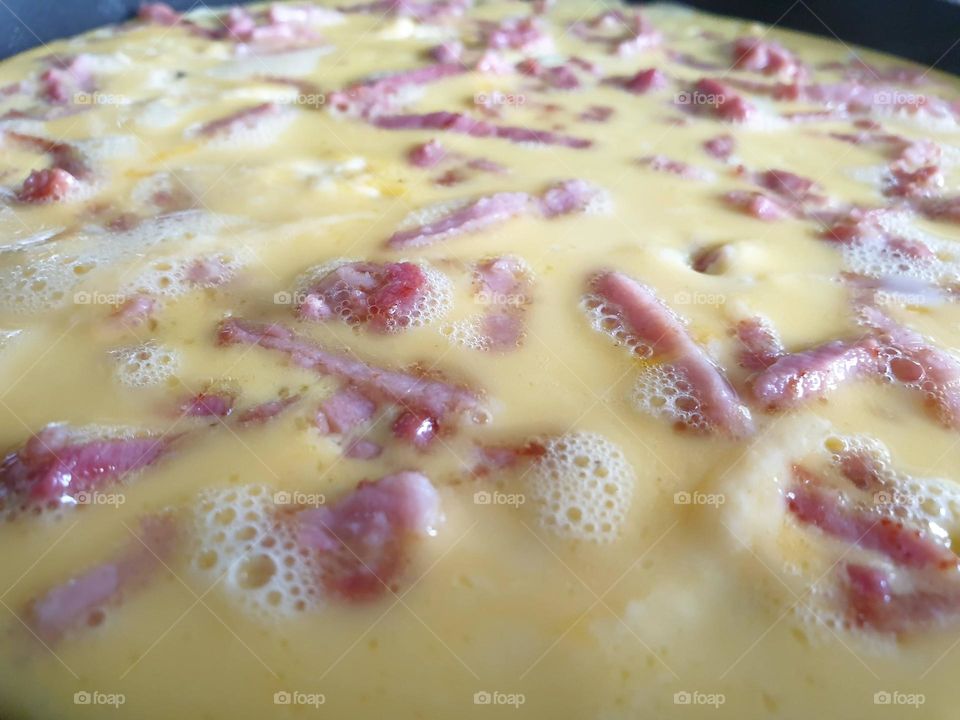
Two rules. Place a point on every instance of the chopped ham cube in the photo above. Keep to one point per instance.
(361, 543)
(712, 97)
(764, 56)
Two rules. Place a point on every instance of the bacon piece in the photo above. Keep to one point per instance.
(346, 409)
(209, 271)
(597, 114)
(245, 119)
(416, 429)
(383, 94)
(501, 458)
(569, 196)
(756, 204)
(66, 77)
(463, 124)
(47, 185)
(361, 449)
(623, 33)
(267, 410)
(662, 163)
(520, 33)
(503, 285)
(721, 147)
(428, 154)
(82, 599)
(158, 13)
(642, 82)
(652, 323)
(912, 360)
(826, 510)
(789, 186)
(712, 259)
(764, 56)
(559, 77)
(208, 404)
(761, 347)
(436, 398)
(425, 11)
(873, 604)
(712, 97)
(361, 543)
(861, 468)
(815, 373)
(54, 466)
(382, 296)
(563, 198)
(475, 216)
(135, 311)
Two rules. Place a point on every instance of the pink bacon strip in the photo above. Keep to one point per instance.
(563, 198)
(795, 378)
(81, 600)
(53, 466)
(814, 505)
(650, 321)
(463, 124)
(436, 398)
(873, 604)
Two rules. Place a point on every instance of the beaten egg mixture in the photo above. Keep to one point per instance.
(636, 326)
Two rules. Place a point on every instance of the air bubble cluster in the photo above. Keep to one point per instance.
(245, 546)
(664, 391)
(583, 486)
(144, 365)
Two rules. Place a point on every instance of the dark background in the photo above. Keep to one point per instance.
(924, 30)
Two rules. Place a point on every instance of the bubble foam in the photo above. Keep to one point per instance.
(583, 487)
(144, 365)
(261, 565)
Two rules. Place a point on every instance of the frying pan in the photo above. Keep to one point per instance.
(927, 31)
